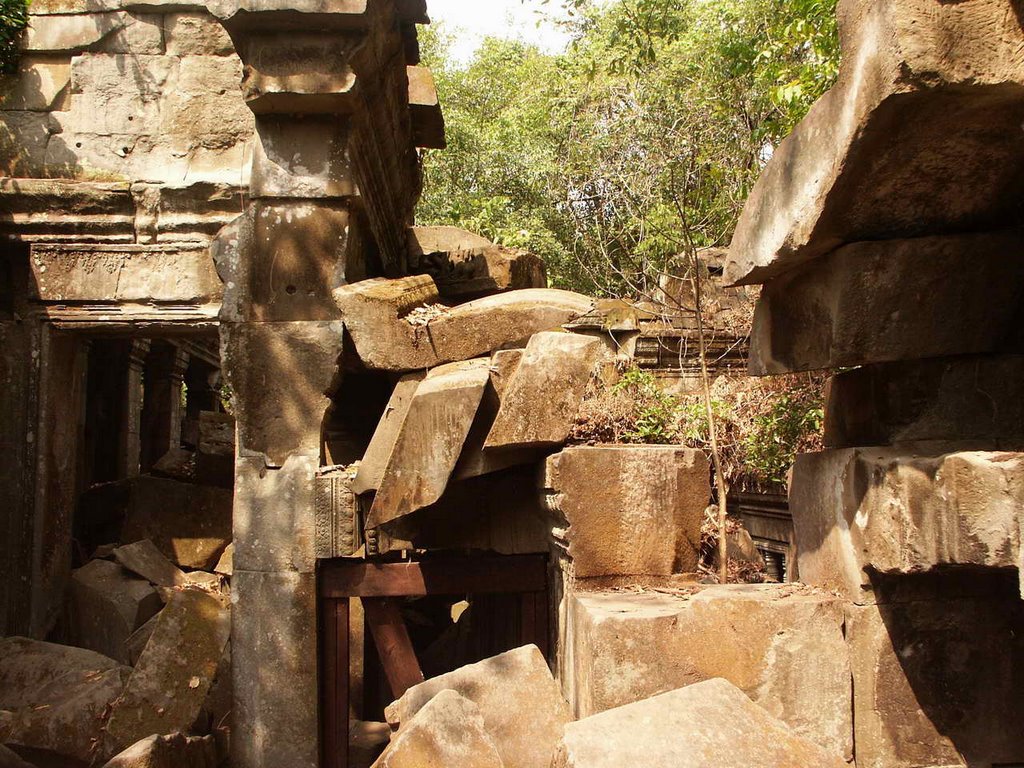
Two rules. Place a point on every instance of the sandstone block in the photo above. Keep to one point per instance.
(431, 440)
(108, 89)
(190, 524)
(709, 723)
(173, 751)
(425, 109)
(541, 400)
(41, 84)
(974, 398)
(868, 511)
(377, 315)
(429, 241)
(302, 157)
(107, 605)
(139, 33)
(194, 33)
(99, 211)
(375, 460)
(172, 677)
(147, 561)
(522, 708)
(137, 640)
(884, 301)
(10, 759)
(226, 565)
(912, 140)
(61, 33)
(53, 697)
(932, 680)
(629, 510)
(782, 646)
(25, 139)
(448, 730)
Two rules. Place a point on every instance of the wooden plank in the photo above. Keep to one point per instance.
(335, 683)
(397, 656)
(444, 576)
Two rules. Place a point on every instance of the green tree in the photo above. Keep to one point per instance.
(13, 19)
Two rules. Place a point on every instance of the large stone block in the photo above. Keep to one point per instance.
(169, 751)
(60, 208)
(147, 561)
(382, 444)
(71, 33)
(859, 513)
(522, 708)
(974, 398)
(917, 137)
(41, 84)
(302, 157)
(629, 510)
(425, 109)
(107, 605)
(193, 33)
(388, 334)
(875, 302)
(782, 646)
(274, 657)
(280, 374)
(937, 682)
(53, 697)
(710, 723)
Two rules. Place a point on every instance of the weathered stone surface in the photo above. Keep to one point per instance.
(934, 680)
(473, 273)
(190, 524)
(25, 138)
(137, 640)
(107, 605)
(71, 33)
(861, 512)
(629, 510)
(339, 524)
(61, 208)
(147, 561)
(280, 374)
(375, 460)
(781, 645)
(448, 730)
(883, 301)
(302, 157)
(140, 33)
(53, 697)
(375, 313)
(540, 402)
(427, 241)
(913, 139)
(41, 84)
(10, 759)
(169, 684)
(959, 398)
(522, 708)
(173, 751)
(226, 565)
(215, 449)
(504, 364)
(431, 440)
(709, 723)
(196, 34)
(425, 109)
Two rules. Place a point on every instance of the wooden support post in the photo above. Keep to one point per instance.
(335, 683)
(393, 644)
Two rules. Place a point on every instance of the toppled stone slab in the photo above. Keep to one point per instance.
(522, 707)
(918, 136)
(428, 241)
(173, 676)
(781, 644)
(375, 460)
(875, 302)
(540, 402)
(137, 640)
(107, 605)
(864, 511)
(53, 697)
(448, 730)
(974, 398)
(147, 561)
(932, 679)
(629, 510)
(173, 751)
(374, 313)
(709, 723)
(430, 441)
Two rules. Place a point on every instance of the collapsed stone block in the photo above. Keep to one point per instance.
(448, 730)
(540, 402)
(107, 605)
(861, 512)
(782, 645)
(375, 460)
(522, 708)
(936, 681)
(137, 640)
(147, 561)
(172, 677)
(709, 723)
(431, 440)
(875, 302)
(173, 751)
(629, 510)
(914, 138)
(975, 398)
(425, 109)
(54, 697)
(388, 335)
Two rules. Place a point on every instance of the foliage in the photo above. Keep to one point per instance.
(13, 20)
(783, 430)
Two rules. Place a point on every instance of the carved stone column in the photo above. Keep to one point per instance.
(130, 439)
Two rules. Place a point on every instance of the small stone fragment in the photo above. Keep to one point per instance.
(225, 566)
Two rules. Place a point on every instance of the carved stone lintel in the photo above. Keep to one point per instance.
(337, 514)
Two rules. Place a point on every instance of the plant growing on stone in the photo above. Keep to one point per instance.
(13, 21)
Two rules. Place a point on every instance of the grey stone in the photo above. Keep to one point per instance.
(173, 751)
(147, 561)
(137, 640)
(375, 460)
(107, 605)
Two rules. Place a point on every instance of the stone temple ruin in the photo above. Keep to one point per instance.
(389, 553)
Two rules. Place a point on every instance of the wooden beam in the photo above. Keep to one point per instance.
(397, 656)
(444, 576)
(335, 683)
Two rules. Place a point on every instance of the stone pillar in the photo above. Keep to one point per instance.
(161, 409)
(130, 439)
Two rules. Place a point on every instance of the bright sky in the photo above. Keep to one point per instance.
(472, 20)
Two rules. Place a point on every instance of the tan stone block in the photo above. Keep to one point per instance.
(382, 444)
(710, 723)
(147, 561)
(425, 109)
(139, 33)
(522, 708)
(782, 646)
(118, 94)
(302, 157)
(175, 749)
(64, 209)
(629, 510)
(204, 109)
(71, 33)
(196, 33)
(41, 84)
(864, 512)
